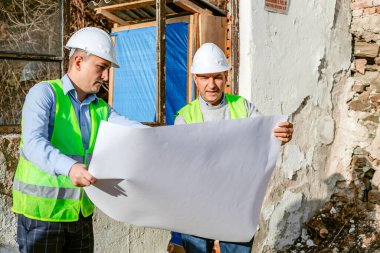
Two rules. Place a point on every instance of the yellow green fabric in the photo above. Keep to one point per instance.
(39, 195)
(192, 112)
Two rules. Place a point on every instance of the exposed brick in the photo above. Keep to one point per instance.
(357, 13)
(276, 4)
(364, 96)
(371, 67)
(358, 87)
(363, 49)
(357, 105)
(369, 11)
(360, 65)
(374, 87)
(361, 4)
(378, 10)
(374, 98)
(374, 119)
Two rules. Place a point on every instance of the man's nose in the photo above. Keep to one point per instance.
(105, 75)
(211, 81)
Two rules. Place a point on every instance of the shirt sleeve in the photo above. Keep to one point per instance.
(37, 148)
(179, 120)
(251, 110)
(116, 118)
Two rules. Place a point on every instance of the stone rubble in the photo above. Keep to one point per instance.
(350, 221)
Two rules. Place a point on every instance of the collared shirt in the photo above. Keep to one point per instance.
(38, 122)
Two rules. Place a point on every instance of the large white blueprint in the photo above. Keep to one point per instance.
(204, 179)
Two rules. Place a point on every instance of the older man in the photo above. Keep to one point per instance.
(210, 74)
(60, 123)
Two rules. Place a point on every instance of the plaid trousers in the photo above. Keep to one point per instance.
(35, 236)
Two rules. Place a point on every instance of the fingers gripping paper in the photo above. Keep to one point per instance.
(204, 179)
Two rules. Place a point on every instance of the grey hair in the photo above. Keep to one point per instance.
(73, 51)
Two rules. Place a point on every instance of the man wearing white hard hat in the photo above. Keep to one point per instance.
(210, 74)
(60, 122)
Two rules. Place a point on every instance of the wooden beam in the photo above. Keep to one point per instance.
(150, 20)
(190, 6)
(192, 46)
(31, 57)
(111, 16)
(212, 29)
(161, 64)
(66, 32)
(132, 14)
(184, 19)
(10, 129)
(197, 45)
(126, 6)
(235, 60)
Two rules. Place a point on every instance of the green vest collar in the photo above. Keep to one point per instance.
(192, 112)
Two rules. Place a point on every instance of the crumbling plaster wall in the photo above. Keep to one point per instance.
(298, 64)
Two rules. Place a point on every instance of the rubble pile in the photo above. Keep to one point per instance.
(350, 221)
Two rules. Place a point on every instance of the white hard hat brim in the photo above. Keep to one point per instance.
(114, 64)
(94, 41)
(195, 70)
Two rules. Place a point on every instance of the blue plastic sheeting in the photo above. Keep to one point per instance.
(176, 238)
(135, 80)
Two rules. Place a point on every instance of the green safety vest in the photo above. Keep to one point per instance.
(192, 112)
(42, 196)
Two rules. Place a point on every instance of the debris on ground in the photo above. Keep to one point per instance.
(350, 221)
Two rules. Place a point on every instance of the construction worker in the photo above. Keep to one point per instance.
(210, 74)
(60, 120)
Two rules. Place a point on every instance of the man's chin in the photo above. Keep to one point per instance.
(213, 100)
(94, 91)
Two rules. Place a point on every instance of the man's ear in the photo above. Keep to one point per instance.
(77, 62)
(195, 80)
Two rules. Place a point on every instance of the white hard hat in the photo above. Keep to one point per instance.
(209, 58)
(94, 41)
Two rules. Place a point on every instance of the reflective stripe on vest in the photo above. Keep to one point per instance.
(41, 196)
(192, 112)
(47, 191)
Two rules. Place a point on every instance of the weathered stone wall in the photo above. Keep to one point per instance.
(298, 64)
(364, 98)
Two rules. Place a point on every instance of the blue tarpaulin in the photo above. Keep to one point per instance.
(135, 80)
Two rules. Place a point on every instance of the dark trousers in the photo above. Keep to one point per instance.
(35, 236)
(194, 244)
